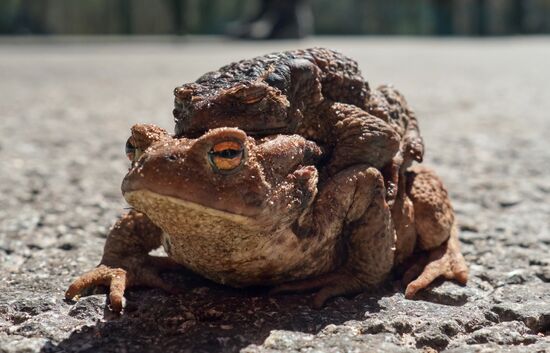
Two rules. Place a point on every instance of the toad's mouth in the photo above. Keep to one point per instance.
(164, 209)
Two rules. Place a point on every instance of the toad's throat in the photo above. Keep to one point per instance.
(193, 230)
(225, 247)
(167, 209)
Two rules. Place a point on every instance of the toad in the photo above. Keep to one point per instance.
(247, 211)
(317, 93)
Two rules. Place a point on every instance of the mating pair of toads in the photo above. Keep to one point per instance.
(285, 170)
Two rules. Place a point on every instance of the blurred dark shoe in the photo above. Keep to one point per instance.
(283, 19)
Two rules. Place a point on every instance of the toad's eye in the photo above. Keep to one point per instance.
(226, 157)
(132, 152)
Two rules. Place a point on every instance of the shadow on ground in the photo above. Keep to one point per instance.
(208, 318)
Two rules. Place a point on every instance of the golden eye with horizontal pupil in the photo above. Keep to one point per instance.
(226, 156)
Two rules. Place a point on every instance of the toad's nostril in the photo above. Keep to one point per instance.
(172, 157)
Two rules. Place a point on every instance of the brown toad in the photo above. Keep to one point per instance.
(317, 93)
(247, 211)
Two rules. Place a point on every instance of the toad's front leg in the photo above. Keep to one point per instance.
(352, 204)
(126, 261)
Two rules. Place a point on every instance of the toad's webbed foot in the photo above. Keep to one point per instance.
(446, 261)
(126, 273)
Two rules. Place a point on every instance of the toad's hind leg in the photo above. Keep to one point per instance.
(354, 198)
(437, 232)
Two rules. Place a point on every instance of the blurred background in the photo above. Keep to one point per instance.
(274, 18)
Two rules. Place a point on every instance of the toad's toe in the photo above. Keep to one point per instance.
(114, 278)
(445, 261)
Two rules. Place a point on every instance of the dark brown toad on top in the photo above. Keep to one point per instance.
(317, 93)
(248, 211)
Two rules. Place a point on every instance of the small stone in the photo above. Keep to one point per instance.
(448, 293)
(509, 199)
(432, 338)
(186, 326)
(506, 333)
(211, 314)
(544, 274)
(527, 303)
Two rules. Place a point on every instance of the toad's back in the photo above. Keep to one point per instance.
(299, 79)
(340, 76)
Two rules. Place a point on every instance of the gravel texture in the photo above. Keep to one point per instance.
(66, 110)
